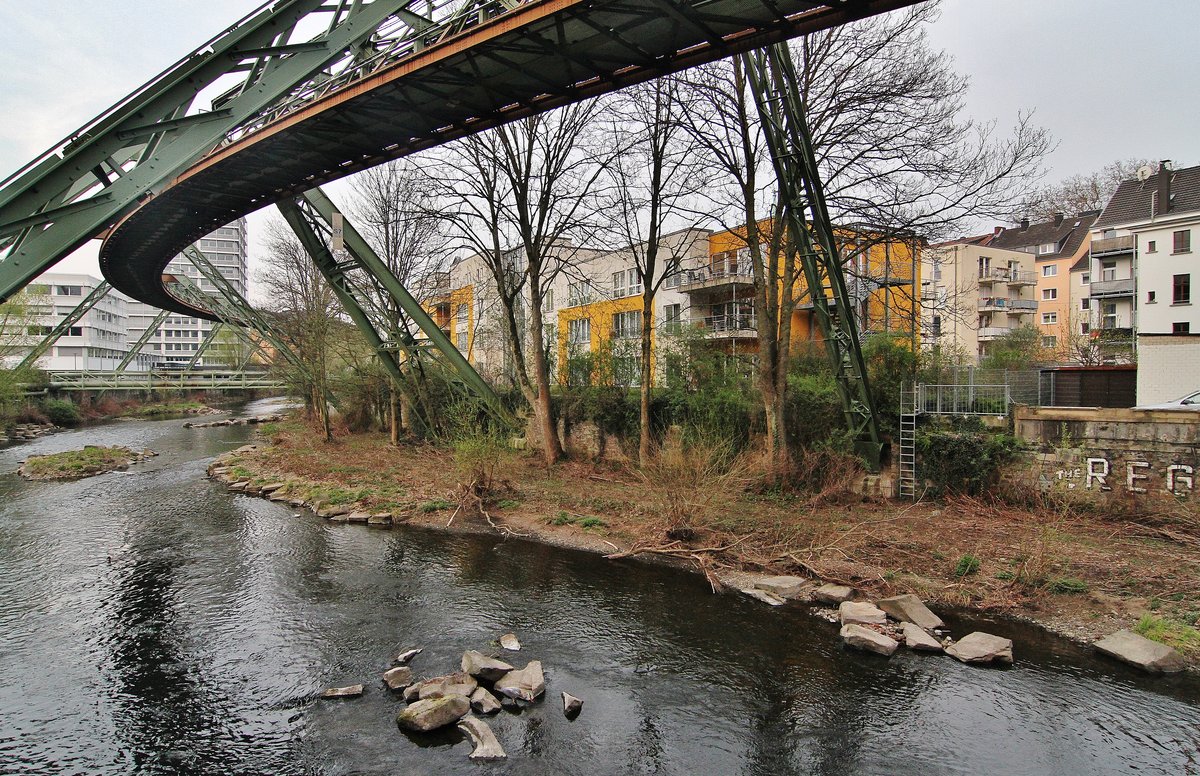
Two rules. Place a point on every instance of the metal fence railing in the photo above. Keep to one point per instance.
(973, 399)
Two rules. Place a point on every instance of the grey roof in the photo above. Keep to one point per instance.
(1068, 235)
(1134, 200)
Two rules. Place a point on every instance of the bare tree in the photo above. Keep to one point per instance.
(305, 314)
(1080, 193)
(521, 196)
(655, 176)
(394, 211)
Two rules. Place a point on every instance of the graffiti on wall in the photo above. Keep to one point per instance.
(1101, 473)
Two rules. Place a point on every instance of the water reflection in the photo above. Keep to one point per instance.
(155, 623)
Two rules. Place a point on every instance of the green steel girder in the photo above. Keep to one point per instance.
(205, 344)
(772, 78)
(314, 210)
(67, 196)
(136, 347)
(81, 309)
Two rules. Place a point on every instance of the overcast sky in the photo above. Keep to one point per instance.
(1110, 79)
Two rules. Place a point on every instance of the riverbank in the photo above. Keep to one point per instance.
(1081, 575)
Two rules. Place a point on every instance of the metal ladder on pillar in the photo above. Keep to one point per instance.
(908, 443)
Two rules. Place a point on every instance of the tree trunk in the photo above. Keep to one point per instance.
(645, 443)
(543, 412)
(394, 419)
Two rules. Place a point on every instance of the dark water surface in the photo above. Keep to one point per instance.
(154, 623)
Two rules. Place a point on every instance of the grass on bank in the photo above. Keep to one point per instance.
(77, 463)
(1182, 637)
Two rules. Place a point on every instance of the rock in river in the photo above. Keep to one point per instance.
(571, 705)
(483, 667)
(909, 608)
(1141, 652)
(433, 713)
(866, 639)
(352, 691)
(398, 678)
(525, 685)
(483, 702)
(833, 594)
(916, 638)
(457, 683)
(860, 613)
(509, 642)
(484, 740)
(980, 647)
(404, 658)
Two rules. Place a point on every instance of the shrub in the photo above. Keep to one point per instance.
(1067, 585)
(962, 461)
(62, 412)
(967, 564)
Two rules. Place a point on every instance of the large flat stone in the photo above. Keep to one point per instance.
(481, 666)
(524, 685)
(909, 608)
(785, 587)
(487, 747)
(833, 594)
(980, 647)
(457, 683)
(916, 638)
(483, 702)
(351, 691)
(1140, 651)
(860, 613)
(868, 640)
(398, 678)
(433, 713)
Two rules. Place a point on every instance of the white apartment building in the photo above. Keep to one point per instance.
(178, 337)
(99, 340)
(1142, 268)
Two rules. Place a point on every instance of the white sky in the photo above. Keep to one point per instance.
(1110, 79)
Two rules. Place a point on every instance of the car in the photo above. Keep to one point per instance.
(169, 366)
(1189, 402)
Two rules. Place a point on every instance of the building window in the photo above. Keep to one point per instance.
(68, 290)
(1045, 248)
(1050, 270)
(1049, 294)
(1050, 342)
(462, 313)
(1085, 328)
(1085, 304)
(672, 320)
(462, 341)
(674, 273)
(577, 294)
(627, 371)
(1152, 246)
(1108, 315)
(627, 325)
(625, 283)
(1049, 318)
(1182, 290)
(1181, 327)
(1149, 297)
(1108, 270)
(579, 331)
(937, 326)
(1182, 241)
(1085, 278)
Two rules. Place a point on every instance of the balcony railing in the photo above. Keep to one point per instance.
(1113, 245)
(1012, 277)
(1013, 306)
(707, 277)
(741, 324)
(1112, 287)
(993, 332)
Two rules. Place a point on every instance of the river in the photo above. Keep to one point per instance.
(153, 623)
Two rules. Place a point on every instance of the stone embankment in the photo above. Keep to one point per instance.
(485, 685)
(252, 420)
(24, 432)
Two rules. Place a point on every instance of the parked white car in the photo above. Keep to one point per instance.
(1189, 402)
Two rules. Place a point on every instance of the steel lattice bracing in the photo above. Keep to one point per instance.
(136, 348)
(61, 328)
(772, 78)
(305, 91)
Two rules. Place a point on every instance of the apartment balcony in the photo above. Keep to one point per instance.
(735, 327)
(1113, 246)
(988, 333)
(707, 279)
(1010, 306)
(1011, 277)
(1109, 289)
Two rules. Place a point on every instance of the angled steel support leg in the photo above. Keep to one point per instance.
(205, 344)
(136, 348)
(772, 78)
(81, 309)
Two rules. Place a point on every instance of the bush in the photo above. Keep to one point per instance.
(962, 461)
(967, 564)
(62, 412)
(814, 413)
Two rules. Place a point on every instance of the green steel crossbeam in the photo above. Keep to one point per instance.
(205, 344)
(136, 348)
(81, 309)
(773, 81)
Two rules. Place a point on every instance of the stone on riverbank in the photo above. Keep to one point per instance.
(916, 638)
(509, 642)
(1140, 651)
(405, 657)
(483, 739)
(398, 678)
(785, 587)
(524, 685)
(351, 691)
(332, 510)
(457, 683)
(433, 713)
(571, 705)
(868, 640)
(483, 667)
(860, 613)
(833, 594)
(909, 608)
(980, 648)
(483, 702)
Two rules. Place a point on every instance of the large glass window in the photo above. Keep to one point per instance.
(1181, 289)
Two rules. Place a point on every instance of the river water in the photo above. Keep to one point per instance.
(154, 623)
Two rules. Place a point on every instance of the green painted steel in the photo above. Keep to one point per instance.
(81, 309)
(136, 347)
(772, 77)
(239, 380)
(205, 344)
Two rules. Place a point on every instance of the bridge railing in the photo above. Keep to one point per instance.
(92, 380)
(963, 399)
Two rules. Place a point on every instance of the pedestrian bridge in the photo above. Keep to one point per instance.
(165, 380)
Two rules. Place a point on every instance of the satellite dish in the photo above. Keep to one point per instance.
(1144, 172)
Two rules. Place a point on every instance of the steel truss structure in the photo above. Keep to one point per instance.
(136, 348)
(61, 328)
(772, 78)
